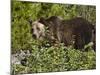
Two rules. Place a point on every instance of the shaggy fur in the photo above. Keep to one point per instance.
(77, 31)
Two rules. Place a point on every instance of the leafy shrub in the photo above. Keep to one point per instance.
(60, 58)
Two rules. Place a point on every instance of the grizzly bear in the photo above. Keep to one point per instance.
(77, 31)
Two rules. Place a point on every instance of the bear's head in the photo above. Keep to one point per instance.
(37, 30)
(45, 28)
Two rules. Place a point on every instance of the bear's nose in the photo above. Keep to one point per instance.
(34, 36)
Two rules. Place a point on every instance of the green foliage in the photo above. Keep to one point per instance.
(60, 58)
(45, 57)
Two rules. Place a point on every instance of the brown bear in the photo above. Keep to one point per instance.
(77, 31)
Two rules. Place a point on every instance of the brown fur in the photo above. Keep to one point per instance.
(77, 31)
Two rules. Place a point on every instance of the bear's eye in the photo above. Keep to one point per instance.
(38, 28)
(32, 30)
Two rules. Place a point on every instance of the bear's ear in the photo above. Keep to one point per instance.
(43, 21)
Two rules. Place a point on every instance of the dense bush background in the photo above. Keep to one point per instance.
(46, 58)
